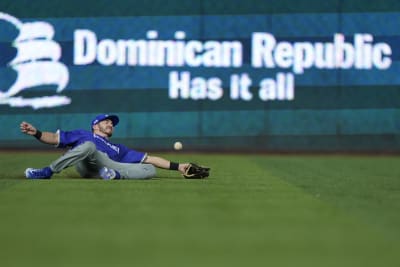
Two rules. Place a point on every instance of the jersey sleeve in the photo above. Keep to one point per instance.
(131, 156)
(73, 138)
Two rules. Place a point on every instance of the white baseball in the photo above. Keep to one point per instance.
(178, 146)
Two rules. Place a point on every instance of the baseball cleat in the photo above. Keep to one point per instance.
(109, 174)
(44, 173)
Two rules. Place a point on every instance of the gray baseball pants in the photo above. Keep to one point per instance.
(88, 161)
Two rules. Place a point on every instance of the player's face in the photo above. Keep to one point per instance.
(105, 127)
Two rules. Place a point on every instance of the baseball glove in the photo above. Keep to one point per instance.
(195, 171)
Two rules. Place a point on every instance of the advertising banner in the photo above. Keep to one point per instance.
(319, 81)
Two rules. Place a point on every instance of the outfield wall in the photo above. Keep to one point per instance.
(217, 75)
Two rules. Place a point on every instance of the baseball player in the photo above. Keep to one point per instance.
(93, 155)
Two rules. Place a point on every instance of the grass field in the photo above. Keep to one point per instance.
(254, 210)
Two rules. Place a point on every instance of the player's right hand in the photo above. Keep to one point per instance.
(27, 128)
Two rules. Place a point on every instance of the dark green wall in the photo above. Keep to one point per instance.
(96, 8)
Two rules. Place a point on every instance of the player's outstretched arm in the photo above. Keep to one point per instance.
(165, 164)
(44, 137)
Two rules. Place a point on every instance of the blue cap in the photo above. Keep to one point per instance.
(102, 117)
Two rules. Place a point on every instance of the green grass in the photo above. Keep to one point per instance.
(254, 210)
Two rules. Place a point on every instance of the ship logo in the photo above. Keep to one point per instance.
(36, 64)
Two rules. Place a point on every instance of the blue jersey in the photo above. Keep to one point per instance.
(116, 152)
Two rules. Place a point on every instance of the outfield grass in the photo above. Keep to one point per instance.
(254, 210)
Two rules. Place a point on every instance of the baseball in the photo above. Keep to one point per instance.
(178, 146)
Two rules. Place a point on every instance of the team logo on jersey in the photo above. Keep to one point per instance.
(36, 64)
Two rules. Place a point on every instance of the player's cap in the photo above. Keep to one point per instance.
(102, 117)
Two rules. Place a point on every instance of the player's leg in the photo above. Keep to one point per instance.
(88, 161)
(82, 153)
(73, 156)
(124, 170)
(88, 168)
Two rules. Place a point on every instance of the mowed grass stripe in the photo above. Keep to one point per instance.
(248, 213)
(366, 186)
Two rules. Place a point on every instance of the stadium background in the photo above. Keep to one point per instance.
(334, 110)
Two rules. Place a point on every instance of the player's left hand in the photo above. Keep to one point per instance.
(183, 167)
(195, 171)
